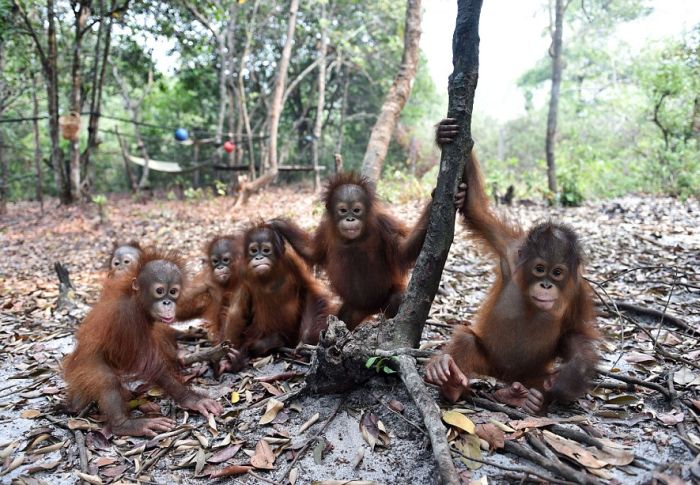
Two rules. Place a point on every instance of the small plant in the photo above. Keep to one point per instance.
(101, 202)
(570, 195)
(220, 188)
(194, 194)
(380, 365)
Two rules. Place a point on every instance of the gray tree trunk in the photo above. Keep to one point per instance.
(408, 324)
(557, 67)
(399, 92)
(81, 16)
(318, 125)
(37, 145)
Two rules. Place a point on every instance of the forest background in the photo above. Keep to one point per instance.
(628, 110)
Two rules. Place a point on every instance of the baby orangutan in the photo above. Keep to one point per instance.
(120, 340)
(538, 310)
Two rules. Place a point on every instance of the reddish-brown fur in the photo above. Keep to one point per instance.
(370, 273)
(119, 340)
(282, 309)
(512, 339)
(206, 297)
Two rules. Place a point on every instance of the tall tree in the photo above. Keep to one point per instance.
(275, 109)
(318, 124)
(48, 56)
(398, 95)
(555, 52)
(81, 12)
(99, 74)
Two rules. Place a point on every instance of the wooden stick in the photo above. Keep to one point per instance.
(557, 468)
(210, 354)
(431, 419)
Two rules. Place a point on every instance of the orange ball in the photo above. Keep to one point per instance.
(229, 146)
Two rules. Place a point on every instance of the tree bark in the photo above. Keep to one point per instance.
(242, 102)
(4, 172)
(398, 95)
(49, 60)
(134, 108)
(81, 15)
(410, 319)
(276, 104)
(98, 79)
(275, 111)
(37, 145)
(557, 68)
(318, 125)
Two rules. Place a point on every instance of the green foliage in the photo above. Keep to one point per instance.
(380, 365)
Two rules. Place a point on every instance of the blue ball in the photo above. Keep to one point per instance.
(181, 134)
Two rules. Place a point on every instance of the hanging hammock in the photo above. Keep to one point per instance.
(156, 165)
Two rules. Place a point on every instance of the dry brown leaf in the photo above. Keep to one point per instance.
(225, 454)
(230, 471)
(573, 450)
(263, 458)
(531, 423)
(493, 435)
(459, 420)
(373, 430)
(273, 407)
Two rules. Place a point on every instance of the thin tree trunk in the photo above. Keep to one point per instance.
(37, 145)
(343, 114)
(242, 102)
(127, 168)
(321, 98)
(410, 319)
(4, 172)
(51, 79)
(380, 137)
(134, 108)
(275, 110)
(280, 83)
(557, 67)
(48, 59)
(81, 16)
(99, 75)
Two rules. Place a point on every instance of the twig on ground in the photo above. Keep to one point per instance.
(313, 438)
(658, 348)
(82, 453)
(161, 453)
(263, 479)
(651, 312)
(416, 426)
(517, 469)
(558, 468)
(284, 376)
(572, 434)
(211, 354)
(431, 419)
(634, 381)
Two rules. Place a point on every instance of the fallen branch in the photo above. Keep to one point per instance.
(284, 376)
(557, 468)
(634, 381)
(517, 469)
(82, 453)
(431, 419)
(210, 354)
(644, 311)
(512, 413)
